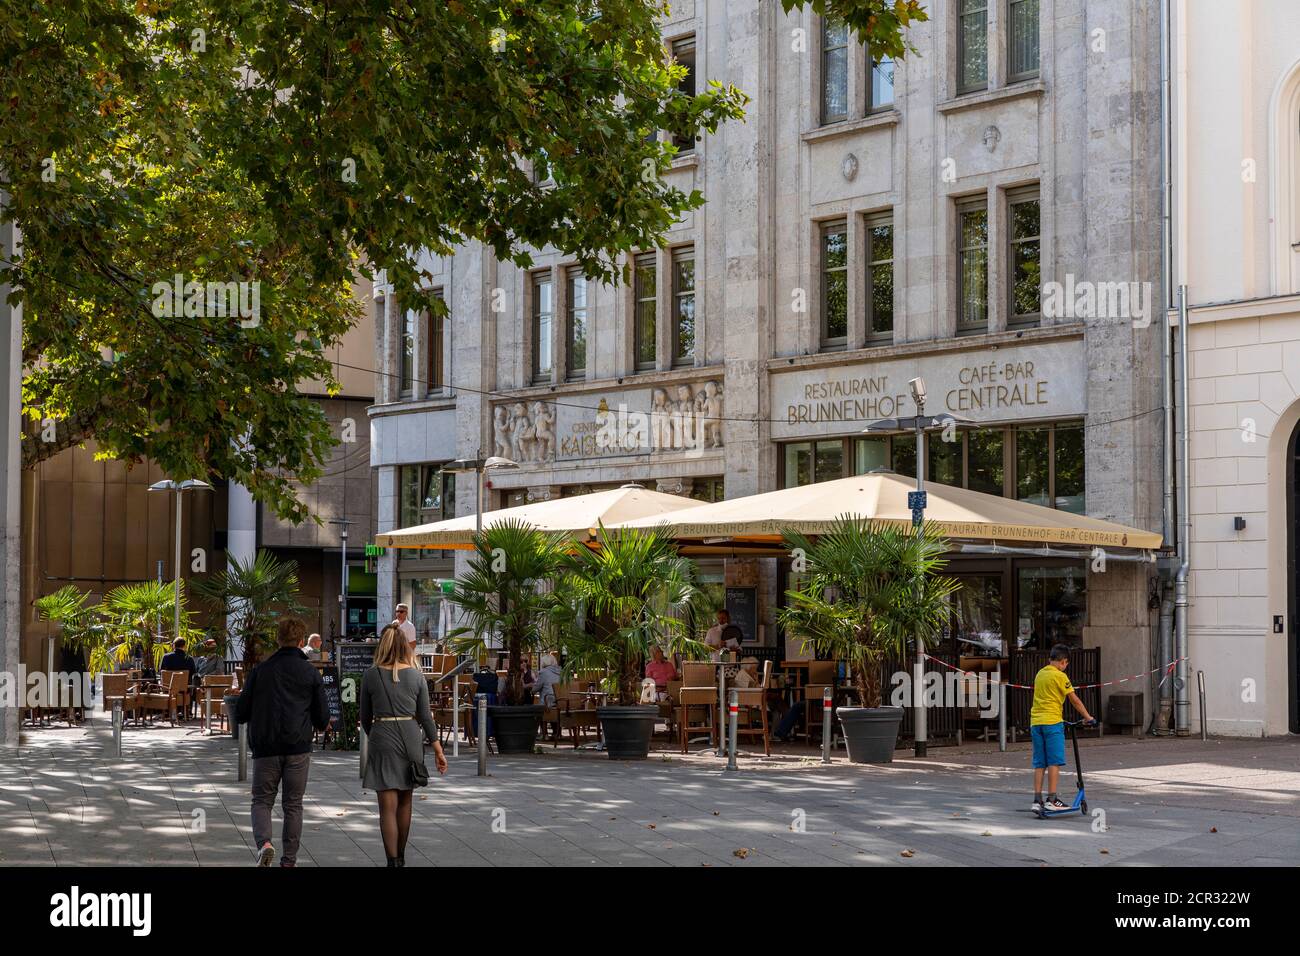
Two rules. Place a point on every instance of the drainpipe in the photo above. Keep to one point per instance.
(1163, 718)
(1182, 702)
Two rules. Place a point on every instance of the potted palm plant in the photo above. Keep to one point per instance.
(511, 591)
(867, 594)
(630, 593)
(251, 598)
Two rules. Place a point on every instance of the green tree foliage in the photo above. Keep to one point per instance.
(251, 597)
(867, 594)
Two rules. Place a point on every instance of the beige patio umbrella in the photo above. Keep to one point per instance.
(578, 516)
(959, 514)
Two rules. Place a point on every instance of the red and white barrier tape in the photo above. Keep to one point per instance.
(1167, 668)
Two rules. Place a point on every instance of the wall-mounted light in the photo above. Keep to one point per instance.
(1239, 523)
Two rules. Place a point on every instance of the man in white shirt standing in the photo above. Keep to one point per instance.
(404, 624)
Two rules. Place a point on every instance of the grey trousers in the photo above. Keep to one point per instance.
(287, 774)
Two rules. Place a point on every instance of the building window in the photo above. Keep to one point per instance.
(880, 82)
(973, 268)
(407, 352)
(543, 316)
(880, 279)
(1053, 607)
(684, 306)
(972, 45)
(835, 285)
(684, 54)
(1022, 39)
(1024, 256)
(646, 312)
(835, 71)
(437, 349)
(809, 462)
(576, 330)
(708, 489)
(425, 495)
(1050, 466)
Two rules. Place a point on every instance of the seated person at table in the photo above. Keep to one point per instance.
(661, 671)
(178, 660)
(548, 678)
(747, 674)
(312, 648)
(209, 663)
(528, 677)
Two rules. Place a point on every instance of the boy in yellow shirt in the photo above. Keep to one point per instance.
(1047, 724)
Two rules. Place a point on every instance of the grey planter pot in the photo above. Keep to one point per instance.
(870, 733)
(515, 728)
(628, 730)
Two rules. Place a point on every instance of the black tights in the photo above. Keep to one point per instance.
(395, 820)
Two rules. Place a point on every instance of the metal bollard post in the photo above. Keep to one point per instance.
(243, 752)
(363, 745)
(827, 705)
(482, 736)
(1200, 686)
(117, 728)
(455, 717)
(1002, 711)
(733, 716)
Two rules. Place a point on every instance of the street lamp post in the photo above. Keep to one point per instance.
(918, 424)
(343, 592)
(178, 488)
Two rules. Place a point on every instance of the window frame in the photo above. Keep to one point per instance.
(964, 207)
(573, 275)
(830, 343)
(535, 281)
(870, 92)
(1030, 74)
(870, 222)
(1015, 198)
(677, 46)
(827, 118)
(678, 255)
(641, 264)
(406, 353)
(436, 348)
(961, 85)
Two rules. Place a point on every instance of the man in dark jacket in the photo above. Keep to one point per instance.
(283, 702)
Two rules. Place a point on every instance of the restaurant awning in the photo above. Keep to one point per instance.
(958, 513)
(578, 516)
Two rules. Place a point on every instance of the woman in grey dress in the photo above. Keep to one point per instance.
(395, 716)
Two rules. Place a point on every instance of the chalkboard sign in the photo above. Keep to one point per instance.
(333, 695)
(356, 657)
(742, 605)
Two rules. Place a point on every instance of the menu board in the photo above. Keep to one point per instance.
(742, 605)
(356, 657)
(333, 695)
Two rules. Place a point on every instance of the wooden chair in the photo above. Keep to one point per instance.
(211, 694)
(751, 697)
(157, 700)
(821, 675)
(118, 688)
(699, 689)
(577, 714)
(668, 709)
(183, 693)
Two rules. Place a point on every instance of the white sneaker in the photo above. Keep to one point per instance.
(266, 855)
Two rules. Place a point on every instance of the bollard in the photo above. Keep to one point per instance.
(117, 728)
(243, 752)
(733, 716)
(482, 735)
(363, 745)
(1200, 686)
(1002, 711)
(827, 706)
(455, 716)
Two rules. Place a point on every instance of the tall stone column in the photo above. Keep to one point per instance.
(386, 596)
(11, 323)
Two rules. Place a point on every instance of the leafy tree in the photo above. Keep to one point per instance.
(291, 144)
(512, 591)
(868, 593)
(631, 593)
(253, 596)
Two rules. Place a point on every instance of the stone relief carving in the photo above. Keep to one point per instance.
(849, 168)
(680, 418)
(991, 137)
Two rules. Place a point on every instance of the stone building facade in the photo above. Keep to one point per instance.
(866, 224)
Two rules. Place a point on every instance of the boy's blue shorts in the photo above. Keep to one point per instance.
(1049, 745)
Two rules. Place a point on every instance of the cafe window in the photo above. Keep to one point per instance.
(436, 350)
(835, 285)
(972, 45)
(973, 267)
(425, 597)
(1022, 39)
(645, 311)
(1024, 258)
(684, 306)
(1052, 607)
(807, 463)
(543, 316)
(576, 325)
(708, 489)
(835, 70)
(425, 495)
(407, 352)
(684, 54)
(880, 279)
(1050, 466)
(880, 83)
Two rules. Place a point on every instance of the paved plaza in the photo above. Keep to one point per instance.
(173, 799)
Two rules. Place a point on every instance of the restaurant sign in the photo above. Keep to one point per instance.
(1014, 383)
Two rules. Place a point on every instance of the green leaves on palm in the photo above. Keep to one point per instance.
(131, 615)
(867, 593)
(253, 596)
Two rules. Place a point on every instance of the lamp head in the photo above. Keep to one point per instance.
(917, 385)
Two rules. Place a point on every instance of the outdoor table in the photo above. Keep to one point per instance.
(597, 696)
(722, 700)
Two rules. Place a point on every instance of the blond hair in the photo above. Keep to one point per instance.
(393, 651)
